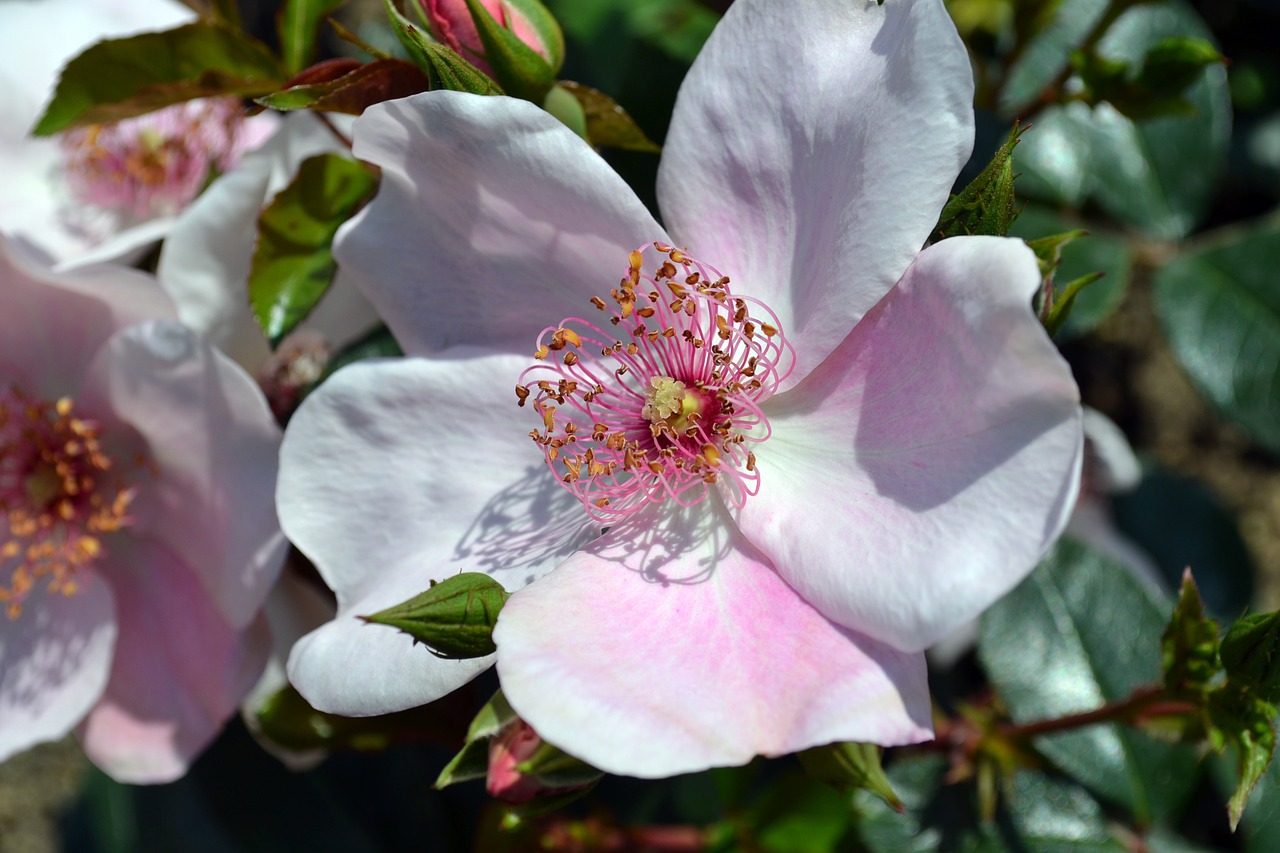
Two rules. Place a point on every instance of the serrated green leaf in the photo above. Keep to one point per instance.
(608, 124)
(293, 264)
(1220, 308)
(297, 25)
(517, 67)
(1189, 645)
(1037, 812)
(1247, 724)
(121, 78)
(446, 69)
(986, 206)
(353, 92)
(1079, 632)
(1251, 654)
(850, 766)
(453, 618)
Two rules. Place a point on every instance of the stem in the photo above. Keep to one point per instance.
(342, 137)
(1144, 703)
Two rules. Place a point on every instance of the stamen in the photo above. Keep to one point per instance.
(59, 497)
(673, 410)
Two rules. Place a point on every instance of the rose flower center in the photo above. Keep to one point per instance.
(663, 402)
(58, 497)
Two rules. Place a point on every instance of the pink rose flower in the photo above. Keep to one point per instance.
(452, 24)
(138, 539)
(777, 449)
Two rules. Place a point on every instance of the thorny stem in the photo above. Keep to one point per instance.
(572, 836)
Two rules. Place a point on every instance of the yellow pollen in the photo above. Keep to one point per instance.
(56, 498)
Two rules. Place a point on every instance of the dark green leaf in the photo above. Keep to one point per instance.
(1260, 825)
(1180, 523)
(986, 206)
(471, 763)
(1220, 308)
(1189, 646)
(850, 766)
(288, 720)
(454, 618)
(1247, 724)
(293, 263)
(1173, 64)
(1096, 251)
(1251, 654)
(517, 67)
(1037, 813)
(608, 124)
(1080, 632)
(1048, 53)
(120, 78)
(1158, 175)
(445, 68)
(371, 83)
(297, 25)
(798, 815)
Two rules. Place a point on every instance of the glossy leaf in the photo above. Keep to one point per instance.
(608, 124)
(1247, 724)
(120, 78)
(453, 618)
(1038, 813)
(1251, 654)
(293, 264)
(297, 26)
(353, 92)
(1156, 176)
(1220, 308)
(1079, 632)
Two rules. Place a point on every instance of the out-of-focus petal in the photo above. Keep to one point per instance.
(213, 445)
(53, 323)
(54, 662)
(493, 221)
(180, 669)
(396, 473)
(670, 645)
(921, 471)
(811, 148)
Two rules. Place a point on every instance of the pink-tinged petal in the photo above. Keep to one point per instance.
(492, 222)
(54, 661)
(205, 261)
(36, 40)
(180, 670)
(424, 471)
(212, 444)
(670, 645)
(811, 148)
(52, 323)
(921, 471)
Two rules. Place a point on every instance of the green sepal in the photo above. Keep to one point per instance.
(557, 769)
(1060, 310)
(472, 761)
(297, 24)
(1251, 655)
(1189, 645)
(1049, 249)
(446, 69)
(454, 618)
(518, 68)
(515, 815)
(851, 766)
(1242, 720)
(293, 263)
(121, 78)
(560, 103)
(987, 205)
(550, 35)
(608, 125)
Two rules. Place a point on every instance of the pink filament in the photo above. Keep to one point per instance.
(673, 317)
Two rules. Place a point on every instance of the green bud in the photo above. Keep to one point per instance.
(1251, 654)
(986, 206)
(454, 618)
(519, 69)
(1189, 646)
